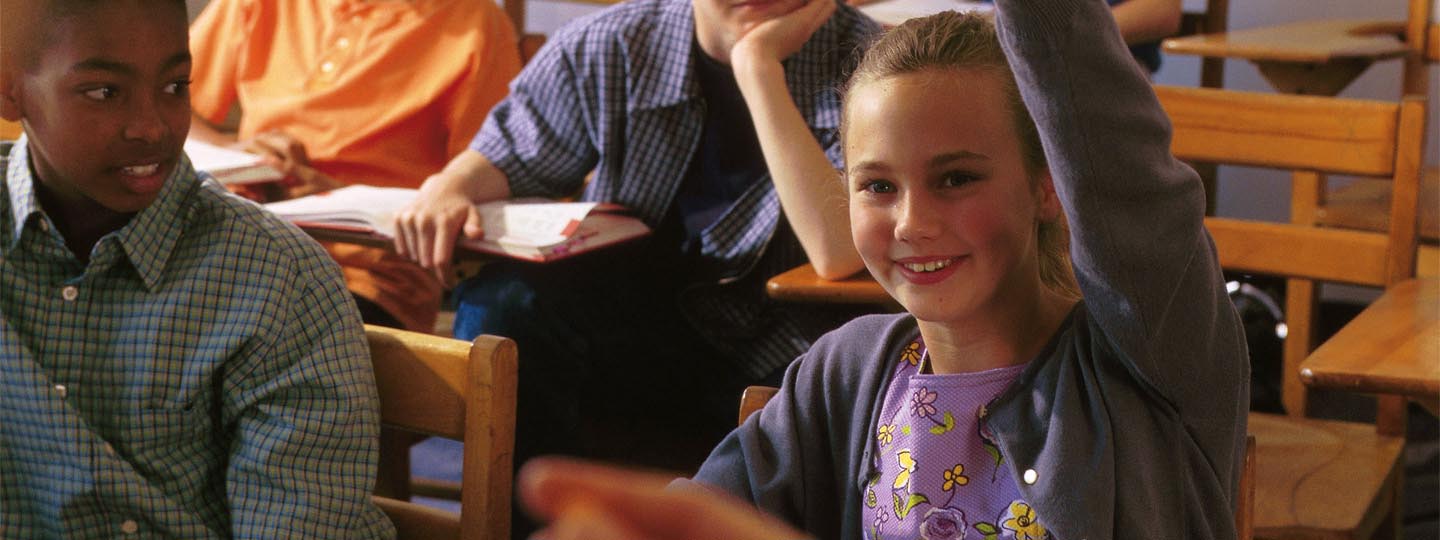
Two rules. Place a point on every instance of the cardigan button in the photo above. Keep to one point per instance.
(1031, 476)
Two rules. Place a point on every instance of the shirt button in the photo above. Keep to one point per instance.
(70, 293)
(342, 43)
(327, 67)
(1031, 476)
(129, 526)
(60, 389)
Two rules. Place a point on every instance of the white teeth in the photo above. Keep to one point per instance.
(140, 170)
(927, 267)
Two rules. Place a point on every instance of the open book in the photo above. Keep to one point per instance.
(231, 167)
(529, 229)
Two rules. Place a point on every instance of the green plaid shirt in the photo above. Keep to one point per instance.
(204, 376)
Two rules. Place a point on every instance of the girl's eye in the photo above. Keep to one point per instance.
(957, 179)
(178, 88)
(103, 93)
(877, 186)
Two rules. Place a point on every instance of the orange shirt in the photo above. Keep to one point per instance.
(381, 93)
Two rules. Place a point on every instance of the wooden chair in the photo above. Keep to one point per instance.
(447, 388)
(755, 397)
(1315, 479)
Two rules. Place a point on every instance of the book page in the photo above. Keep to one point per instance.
(532, 222)
(372, 207)
(227, 165)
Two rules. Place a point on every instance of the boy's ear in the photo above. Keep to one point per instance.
(1047, 202)
(9, 96)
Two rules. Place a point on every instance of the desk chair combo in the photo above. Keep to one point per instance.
(455, 389)
(1321, 57)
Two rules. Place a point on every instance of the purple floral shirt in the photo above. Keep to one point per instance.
(940, 474)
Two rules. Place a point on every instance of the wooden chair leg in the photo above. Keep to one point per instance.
(392, 477)
(1301, 298)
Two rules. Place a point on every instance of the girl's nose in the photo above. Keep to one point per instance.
(916, 218)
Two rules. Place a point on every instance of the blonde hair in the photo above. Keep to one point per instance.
(967, 41)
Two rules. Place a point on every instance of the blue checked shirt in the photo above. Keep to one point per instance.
(204, 376)
(616, 93)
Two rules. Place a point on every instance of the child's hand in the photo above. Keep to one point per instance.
(776, 39)
(597, 502)
(426, 230)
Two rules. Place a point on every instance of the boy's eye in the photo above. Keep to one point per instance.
(178, 88)
(102, 93)
(877, 186)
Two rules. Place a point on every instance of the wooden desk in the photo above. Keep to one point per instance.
(1393, 347)
(1309, 57)
(801, 284)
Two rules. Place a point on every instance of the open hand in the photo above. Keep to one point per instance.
(778, 38)
(598, 502)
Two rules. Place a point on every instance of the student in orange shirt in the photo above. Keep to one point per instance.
(338, 92)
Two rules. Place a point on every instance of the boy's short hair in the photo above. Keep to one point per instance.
(23, 29)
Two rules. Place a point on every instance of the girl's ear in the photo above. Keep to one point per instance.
(1047, 203)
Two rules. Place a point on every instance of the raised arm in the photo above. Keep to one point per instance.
(806, 182)
(1145, 264)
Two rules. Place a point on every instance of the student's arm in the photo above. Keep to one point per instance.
(301, 410)
(808, 185)
(1143, 259)
(535, 142)
(1144, 21)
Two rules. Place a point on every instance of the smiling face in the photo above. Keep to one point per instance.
(721, 23)
(105, 102)
(943, 209)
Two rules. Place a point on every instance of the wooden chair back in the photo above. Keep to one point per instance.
(459, 390)
(754, 398)
(1310, 134)
(1313, 137)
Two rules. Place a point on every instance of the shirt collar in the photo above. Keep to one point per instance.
(147, 240)
(20, 190)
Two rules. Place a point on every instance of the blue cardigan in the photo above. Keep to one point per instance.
(1133, 417)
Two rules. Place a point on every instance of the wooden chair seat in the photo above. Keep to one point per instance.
(1317, 479)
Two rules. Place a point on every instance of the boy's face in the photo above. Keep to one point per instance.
(105, 102)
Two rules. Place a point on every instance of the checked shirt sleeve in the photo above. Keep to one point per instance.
(305, 418)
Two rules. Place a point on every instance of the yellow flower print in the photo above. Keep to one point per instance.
(911, 354)
(954, 476)
(1022, 522)
(886, 434)
(907, 466)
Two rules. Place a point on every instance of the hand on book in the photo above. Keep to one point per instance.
(426, 230)
(598, 502)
